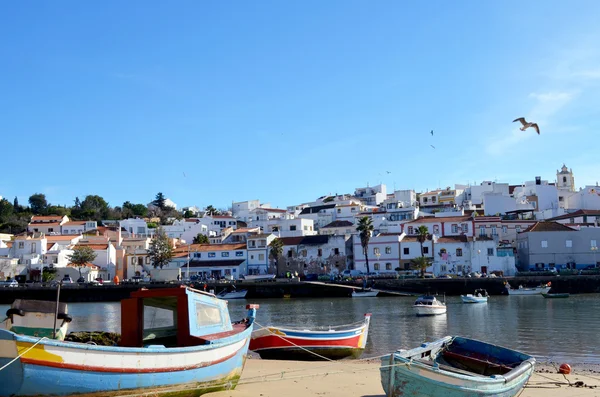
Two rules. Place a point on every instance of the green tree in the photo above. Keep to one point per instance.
(210, 210)
(81, 256)
(77, 203)
(57, 210)
(160, 201)
(420, 263)
(94, 207)
(188, 214)
(422, 236)
(276, 251)
(6, 210)
(38, 203)
(365, 229)
(160, 251)
(16, 204)
(130, 209)
(201, 239)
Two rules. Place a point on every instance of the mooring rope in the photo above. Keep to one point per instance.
(22, 354)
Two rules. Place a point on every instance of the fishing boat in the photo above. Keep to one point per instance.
(428, 305)
(556, 295)
(479, 296)
(542, 289)
(174, 341)
(235, 294)
(367, 293)
(456, 366)
(314, 344)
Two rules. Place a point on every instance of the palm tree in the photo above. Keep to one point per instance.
(276, 251)
(420, 263)
(422, 236)
(365, 229)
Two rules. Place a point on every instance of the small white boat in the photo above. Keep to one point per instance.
(259, 277)
(364, 293)
(428, 305)
(479, 296)
(241, 294)
(543, 289)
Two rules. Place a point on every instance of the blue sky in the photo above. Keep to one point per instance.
(210, 102)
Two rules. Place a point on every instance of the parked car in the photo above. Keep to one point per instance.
(352, 273)
(10, 283)
(67, 280)
(81, 280)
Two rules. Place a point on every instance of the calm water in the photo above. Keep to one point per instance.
(560, 329)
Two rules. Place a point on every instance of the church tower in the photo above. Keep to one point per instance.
(565, 179)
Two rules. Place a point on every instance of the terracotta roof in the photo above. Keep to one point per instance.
(410, 239)
(576, 214)
(431, 192)
(9, 244)
(339, 224)
(246, 230)
(210, 247)
(430, 219)
(192, 220)
(61, 237)
(95, 247)
(74, 223)
(262, 235)
(548, 227)
(222, 217)
(453, 239)
(44, 224)
(43, 218)
(49, 246)
(389, 234)
(291, 240)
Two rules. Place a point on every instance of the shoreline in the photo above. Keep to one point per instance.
(348, 378)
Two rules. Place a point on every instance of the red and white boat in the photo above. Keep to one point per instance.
(320, 343)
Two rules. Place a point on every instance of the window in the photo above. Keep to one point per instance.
(305, 227)
(410, 230)
(569, 243)
(147, 260)
(224, 254)
(388, 266)
(376, 266)
(490, 252)
(459, 268)
(544, 244)
(482, 231)
(197, 255)
(292, 228)
(593, 243)
(564, 179)
(339, 210)
(561, 198)
(304, 253)
(33, 248)
(261, 257)
(494, 231)
(454, 228)
(459, 252)
(376, 251)
(336, 251)
(388, 250)
(352, 209)
(443, 268)
(239, 253)
(424, 199)
(436, 229)
(55, 259)
(425, 250)
(21, 245)
(50, 229)
(504, 229)
(227, 272)
(212, 254)
(251, 256)
(433, 199)
(406, 251)
(465, 228)
(518, 229)
(319, 252)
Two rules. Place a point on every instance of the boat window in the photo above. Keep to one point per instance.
(207, 315)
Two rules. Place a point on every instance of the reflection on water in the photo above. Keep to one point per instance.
(562, 329)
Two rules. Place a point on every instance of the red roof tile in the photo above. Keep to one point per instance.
(548, 227)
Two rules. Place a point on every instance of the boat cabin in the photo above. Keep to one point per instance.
(38, 318)
(427, 300)
(174, 317)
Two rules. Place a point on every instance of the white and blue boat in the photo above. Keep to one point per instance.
(174, 341)
(479, 296)
(456, 367)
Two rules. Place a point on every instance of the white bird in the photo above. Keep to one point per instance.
(527, 124)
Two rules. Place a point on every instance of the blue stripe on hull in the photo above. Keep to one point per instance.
(324, 335)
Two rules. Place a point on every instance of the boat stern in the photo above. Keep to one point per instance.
(11, 368)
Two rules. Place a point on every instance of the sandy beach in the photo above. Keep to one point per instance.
(265, 378)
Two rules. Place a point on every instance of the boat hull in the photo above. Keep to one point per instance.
(423, 310)
(528, 291)
(366, 294)
(65, 368)
(280, 343)
(556, 296)
(233, 295)
(403, 376)
(473, 299)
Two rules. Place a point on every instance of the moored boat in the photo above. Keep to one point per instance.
(236, 294)
(478, 296)
(175, 341)
(259, 277)
(456, 366)
(364, 293)
(556, 295)
(542, 289)
(429, 305)
(316, 343)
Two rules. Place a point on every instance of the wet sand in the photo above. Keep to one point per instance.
(270, 378)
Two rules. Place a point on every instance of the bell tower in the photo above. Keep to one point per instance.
(565, 179)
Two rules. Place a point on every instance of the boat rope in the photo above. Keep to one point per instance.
(22, 354)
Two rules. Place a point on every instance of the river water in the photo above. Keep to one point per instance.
(556, 329)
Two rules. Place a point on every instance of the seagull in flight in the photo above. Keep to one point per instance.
(389, 172)
(431, 132)
(432, 146)
(527, 124)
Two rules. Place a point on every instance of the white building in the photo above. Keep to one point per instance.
(258, 254)
(320, 215)
(339, 228)
(242, 210)
(78, 227)
(475, 194)
(46, 224)
(105, 255)
(215, 260)
(383, 253)
(542, 195)
(135, 227)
